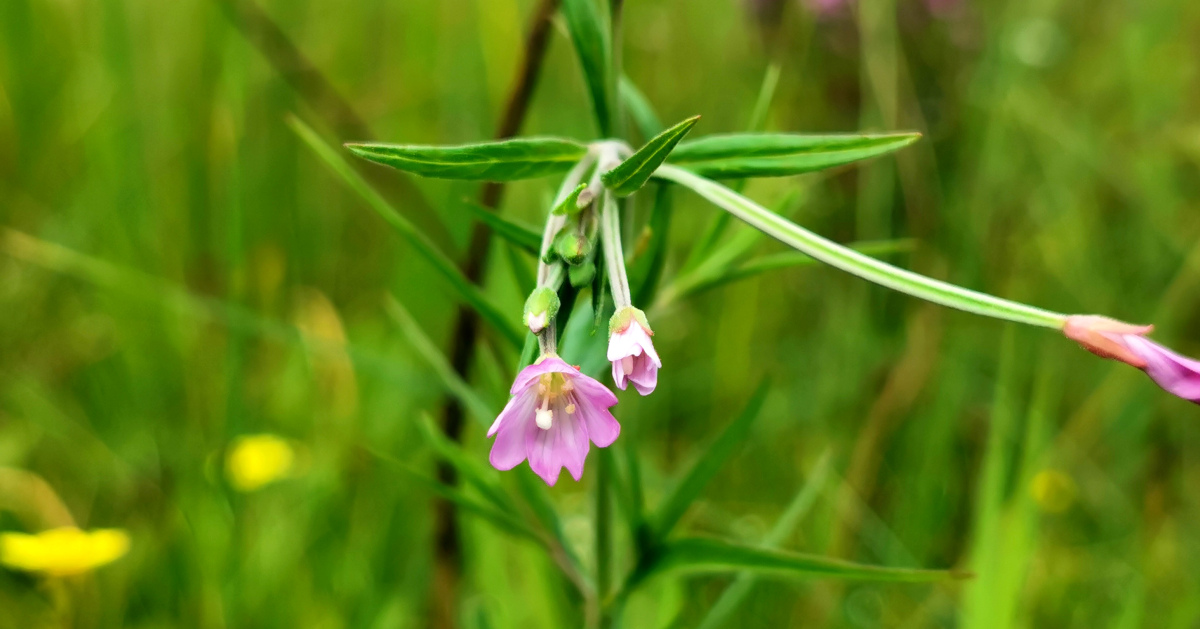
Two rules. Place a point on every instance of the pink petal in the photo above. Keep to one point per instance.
(645, 375)
(515, 437)
(1178, 375)
(602, 427)
(530, 374)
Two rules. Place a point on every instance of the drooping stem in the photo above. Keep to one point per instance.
(856, 263)
(614, 255)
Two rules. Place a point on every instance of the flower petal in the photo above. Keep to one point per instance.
(1178, 375)
(516, 436)
(548, 364)
(602, 428)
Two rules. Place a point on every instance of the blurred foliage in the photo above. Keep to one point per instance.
(183, 271)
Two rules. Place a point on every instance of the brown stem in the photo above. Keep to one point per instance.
(466, 326)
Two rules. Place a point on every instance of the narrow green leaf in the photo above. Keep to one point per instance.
(482, 477)
(646, 270)
(777, 154)
(634, 172)
(537, 498)
(442, 263)
(506, 160)
(784, 260)
(455, 385)
(593, 45)
(514, 232)
(853, 262)
(757, 123)
(570, 203)
(722, 610)
(706, 466)
(701, 555)
(644, 117)
(468, 504)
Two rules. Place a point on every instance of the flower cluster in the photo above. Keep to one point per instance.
(556, 412)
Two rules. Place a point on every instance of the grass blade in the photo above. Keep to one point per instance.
(721, 611)
(496, 517)
(522, 236)
(482, 477)
(635, 171)
(444, 265)
(706, 466)
(454, 383)
(702, 555)
(644, 117)
(593, 45)
(506, 160)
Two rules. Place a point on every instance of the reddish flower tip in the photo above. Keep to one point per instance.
(1109, 338)
(1103, 337)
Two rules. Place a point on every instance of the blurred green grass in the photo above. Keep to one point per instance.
(1059, 167)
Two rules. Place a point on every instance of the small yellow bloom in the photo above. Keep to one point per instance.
(63, 551)
(1053, 490)
(254, 461)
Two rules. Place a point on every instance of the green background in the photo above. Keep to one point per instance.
(1059, 168)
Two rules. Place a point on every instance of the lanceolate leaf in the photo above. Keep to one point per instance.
(440, 261)
(711, 555)
(508, 160)
(707, 465)
(593, 45)
(634, 172)
(520, 235)
(777, 154)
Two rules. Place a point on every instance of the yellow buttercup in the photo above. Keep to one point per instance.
(62, 551)
(254, 461)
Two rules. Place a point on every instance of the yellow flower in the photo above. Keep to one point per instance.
(63, 551)
(1053, 490)
(257, 460)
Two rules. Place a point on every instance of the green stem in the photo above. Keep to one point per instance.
(856, 263)
(603, 536)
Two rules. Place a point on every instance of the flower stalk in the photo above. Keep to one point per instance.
(855, 263)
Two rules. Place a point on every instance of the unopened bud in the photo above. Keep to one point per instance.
(540, 308)
(572, 247)
(582, 274)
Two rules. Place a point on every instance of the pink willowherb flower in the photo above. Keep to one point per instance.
(553, 416)
(1109, 338)
(631, 351)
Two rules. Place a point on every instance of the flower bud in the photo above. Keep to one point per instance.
(572, 246)
(540, 308)
(582, 274)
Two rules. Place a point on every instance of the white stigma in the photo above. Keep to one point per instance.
(544, 416)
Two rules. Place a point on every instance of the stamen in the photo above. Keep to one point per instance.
(571, 408)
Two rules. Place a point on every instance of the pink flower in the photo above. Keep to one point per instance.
(1109, 338)
(554, 413)
(631, 351)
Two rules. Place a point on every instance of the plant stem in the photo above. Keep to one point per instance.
(856, 263)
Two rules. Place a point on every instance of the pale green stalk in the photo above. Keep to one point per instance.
(856, 263)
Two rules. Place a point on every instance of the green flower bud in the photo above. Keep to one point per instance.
(572, 247)
(582, 274)
(540, 308)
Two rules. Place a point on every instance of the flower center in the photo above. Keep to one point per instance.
(551, 388)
